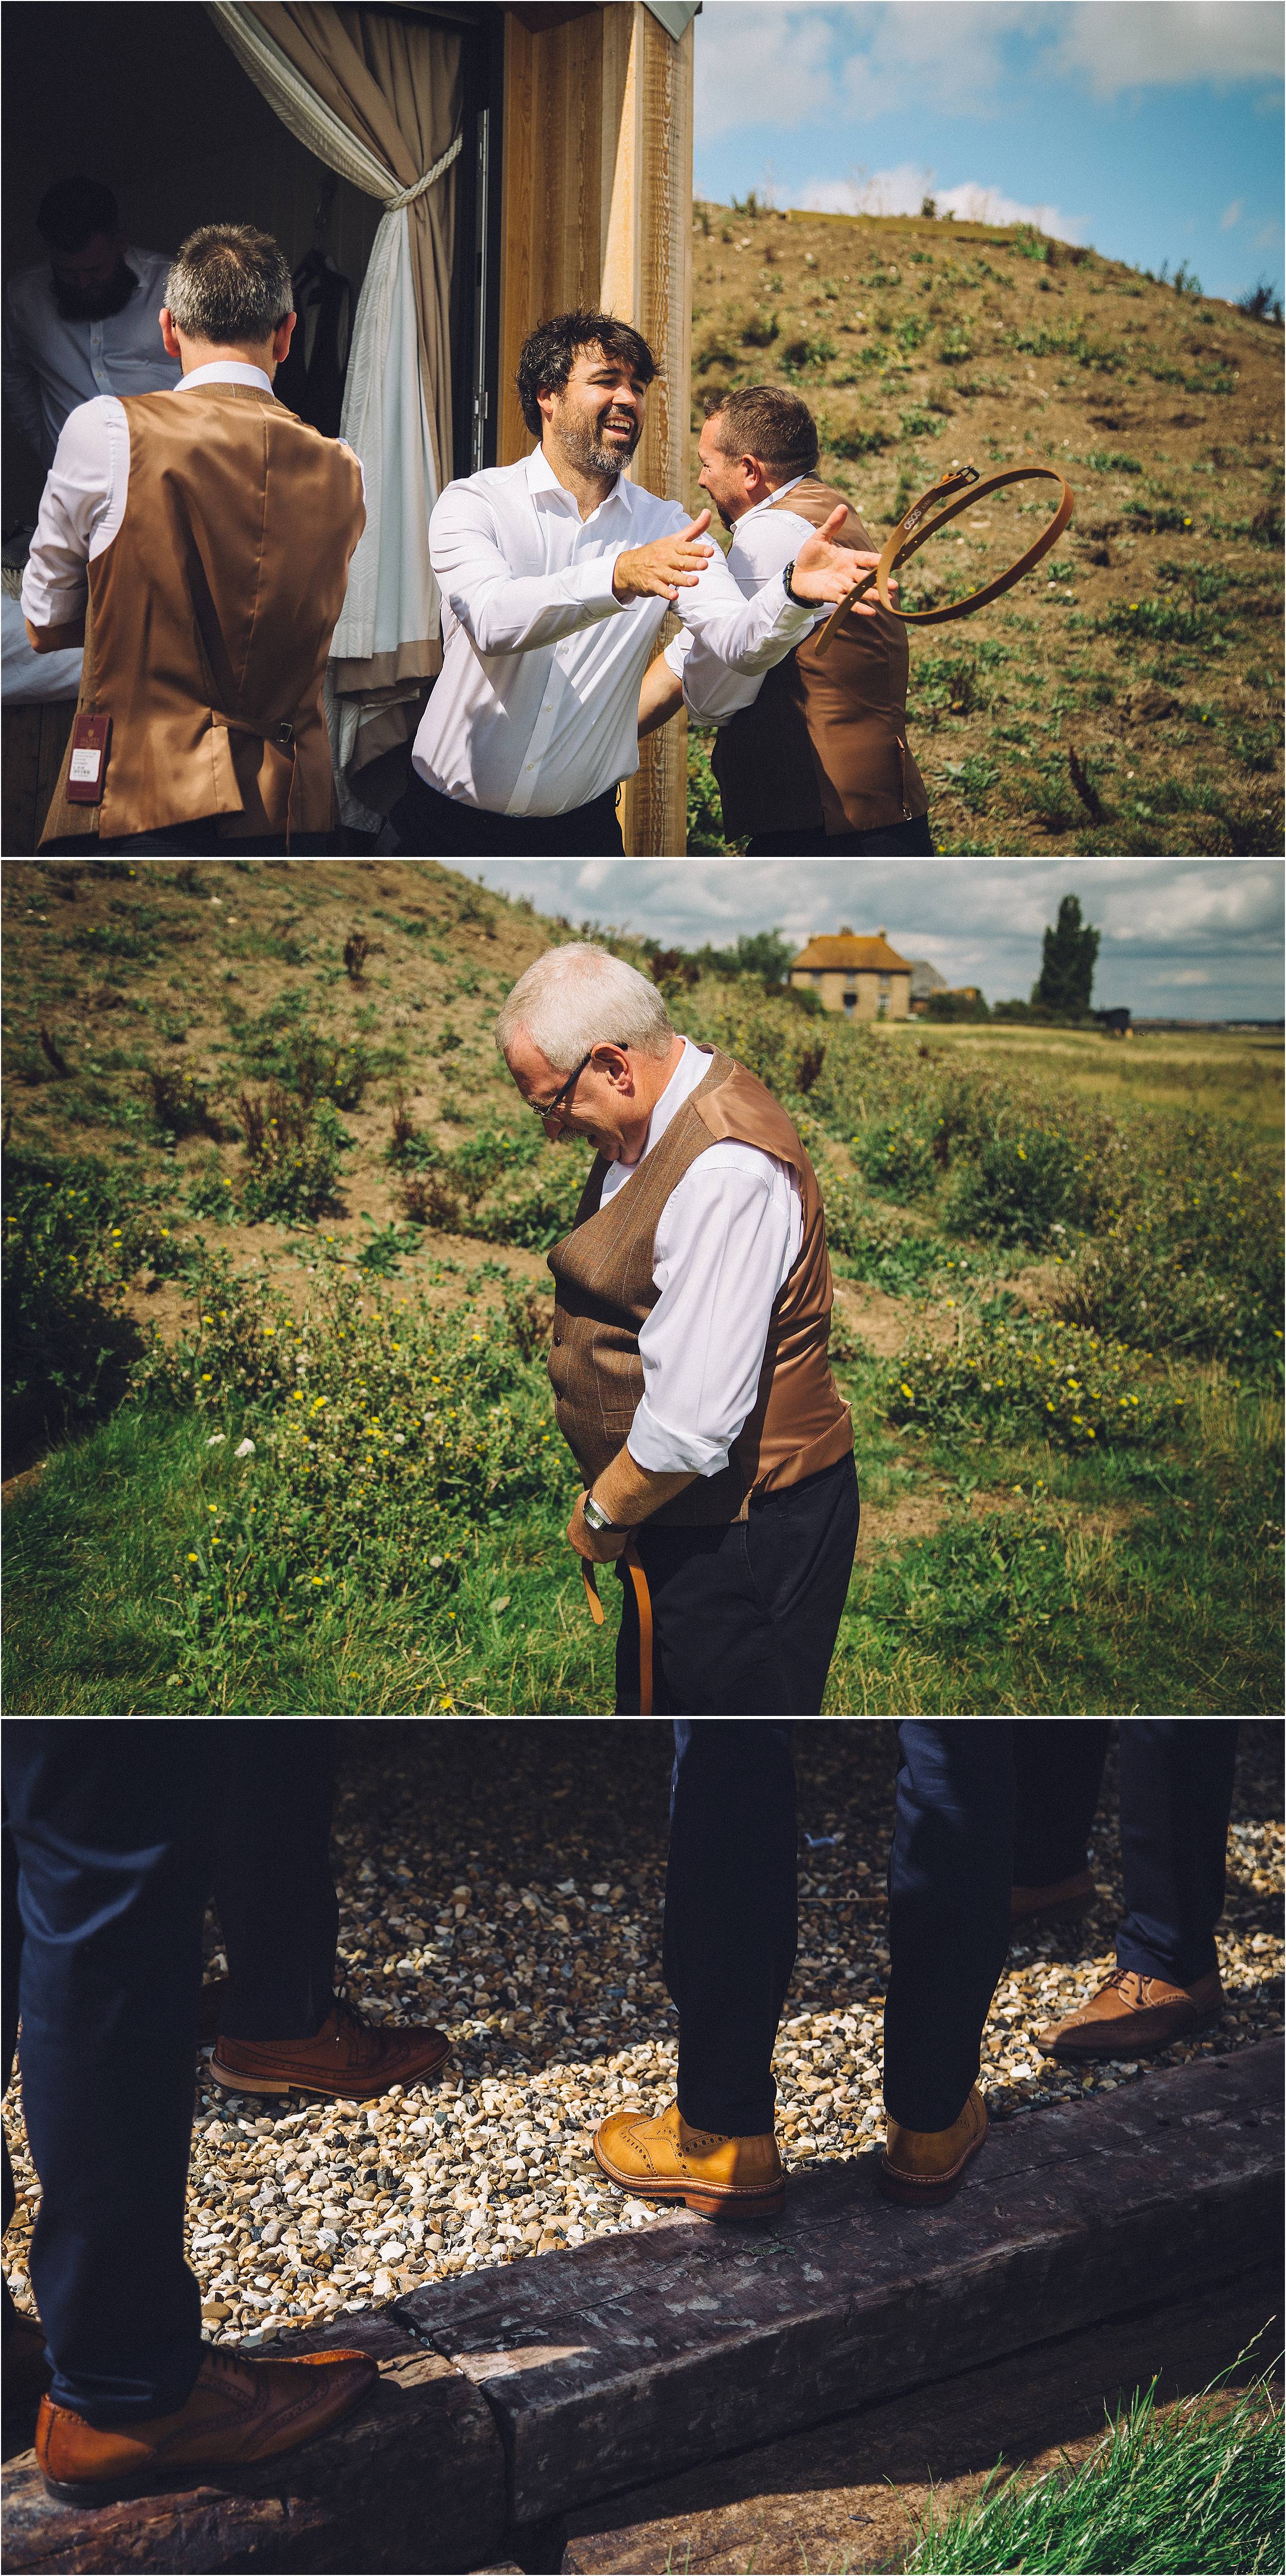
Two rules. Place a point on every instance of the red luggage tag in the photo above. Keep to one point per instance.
(90, 741)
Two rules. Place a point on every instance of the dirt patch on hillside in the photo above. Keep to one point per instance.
(920, 1516)
(171, 1307)
(884, 1322)
(886, 1525)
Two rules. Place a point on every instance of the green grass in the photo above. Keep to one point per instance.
(1193, 2492)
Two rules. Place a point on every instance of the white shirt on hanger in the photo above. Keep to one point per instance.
(764, 541)
(83, 502)
(726, 1241)
(536, 707)
(51, 364)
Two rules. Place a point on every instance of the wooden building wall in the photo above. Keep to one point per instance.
(597, 210)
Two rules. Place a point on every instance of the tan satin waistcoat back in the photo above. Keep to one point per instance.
(824, 747)
(217, 599)
(605, 1292)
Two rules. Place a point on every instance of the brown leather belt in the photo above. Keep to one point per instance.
(918, 524)
(643, 1599)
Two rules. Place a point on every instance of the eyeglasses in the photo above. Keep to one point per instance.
(554, 1108)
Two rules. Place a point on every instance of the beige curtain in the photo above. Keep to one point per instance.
(378, 96)
(397, 83)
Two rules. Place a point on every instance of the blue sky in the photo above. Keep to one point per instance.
(1182, 938)
(1150, 129)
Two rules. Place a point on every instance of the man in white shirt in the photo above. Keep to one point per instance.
(689, 1345)
(556, 575)
(86, 320)
(811, 756)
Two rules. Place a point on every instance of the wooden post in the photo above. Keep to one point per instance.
(598, 211)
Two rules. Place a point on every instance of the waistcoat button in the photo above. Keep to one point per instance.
(557, 1339)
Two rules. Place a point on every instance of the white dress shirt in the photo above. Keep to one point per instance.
(33, 679)
(83, 502)
(726, 1242)
(764, 541)
(535, 710)
(51, 365)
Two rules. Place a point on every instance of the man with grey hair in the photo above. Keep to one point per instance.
(689, 1366)
(197, 542)
(689, 1358)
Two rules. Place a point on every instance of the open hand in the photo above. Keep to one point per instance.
(599, 1545)
(668, 565)
(827, 572)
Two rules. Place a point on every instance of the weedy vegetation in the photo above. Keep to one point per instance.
(1129, 653)
(275, 1334)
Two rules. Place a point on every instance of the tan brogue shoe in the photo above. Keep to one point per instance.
(664, 2159)
(26, 2372)
(345, 2060)
(924, 2166)
(239, 2411)
(1064, 1900)
(1132, 2016)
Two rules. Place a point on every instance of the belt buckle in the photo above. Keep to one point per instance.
(284, 734)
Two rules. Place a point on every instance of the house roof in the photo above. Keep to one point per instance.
(872, 956)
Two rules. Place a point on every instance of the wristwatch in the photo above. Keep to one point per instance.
(794, 595)
(596, 1518)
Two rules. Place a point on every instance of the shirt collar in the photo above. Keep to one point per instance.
(767, 502)
(542, 478)
(226, 371)
(691, 1069)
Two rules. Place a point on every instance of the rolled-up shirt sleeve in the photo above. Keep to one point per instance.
(81, 508)
(724, 1247)
(502, 611)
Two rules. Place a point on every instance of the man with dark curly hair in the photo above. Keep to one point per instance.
(556, 575)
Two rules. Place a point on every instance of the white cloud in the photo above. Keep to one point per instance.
(1161, 44)
(1232, 214)
(900, 191)
(761, 65)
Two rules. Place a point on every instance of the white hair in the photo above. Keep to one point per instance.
(579, 997)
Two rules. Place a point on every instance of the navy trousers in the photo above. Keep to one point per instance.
(745, 1617)
(116, 1833)
(730, 1918)
(1176, 1796)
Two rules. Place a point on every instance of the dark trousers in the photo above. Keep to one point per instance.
(745, 1616)
(432, 826)
(1176, 1796)
(730, 1916)
(117, 1833)
(899, 840)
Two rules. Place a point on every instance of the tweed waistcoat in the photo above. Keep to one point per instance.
(605, 1293)
(824, 748)
(216, 602)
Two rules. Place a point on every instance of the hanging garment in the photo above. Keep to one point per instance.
(310, 379)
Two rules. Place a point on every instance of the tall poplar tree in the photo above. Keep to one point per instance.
(1067, 963)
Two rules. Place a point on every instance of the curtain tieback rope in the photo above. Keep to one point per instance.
(407, 196)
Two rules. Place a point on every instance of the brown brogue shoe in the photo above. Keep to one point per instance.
(925, 2166)
(1064, 1900)
(238, 2412)
(1133, 2016)
(26, 2371)
(345, 2060)
(665, 2159)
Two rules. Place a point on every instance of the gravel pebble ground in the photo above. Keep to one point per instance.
(505, 1880)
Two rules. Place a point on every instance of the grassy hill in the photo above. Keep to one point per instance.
(1148, 642)
(277, 1311)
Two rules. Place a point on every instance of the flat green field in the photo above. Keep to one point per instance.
(277, 1309)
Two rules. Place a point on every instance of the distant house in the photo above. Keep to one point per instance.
(863, 977)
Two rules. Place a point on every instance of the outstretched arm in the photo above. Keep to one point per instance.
(660, 696)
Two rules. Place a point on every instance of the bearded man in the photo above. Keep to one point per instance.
(86, 320)
(556, 575)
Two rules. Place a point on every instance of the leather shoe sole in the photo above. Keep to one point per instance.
(707, 2200)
